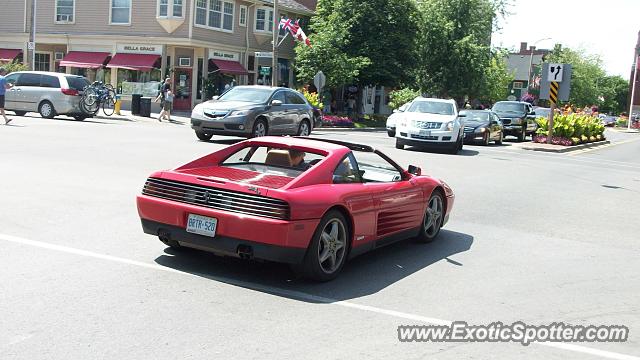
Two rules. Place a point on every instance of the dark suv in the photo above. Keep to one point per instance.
(517, 117)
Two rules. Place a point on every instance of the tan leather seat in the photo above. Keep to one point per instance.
(278, 157)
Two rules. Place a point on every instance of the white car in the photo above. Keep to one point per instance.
(430, 122)
(391, 120)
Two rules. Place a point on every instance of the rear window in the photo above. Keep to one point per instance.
(273, 161)
(49, 81)
(77, 82)
(29, 79)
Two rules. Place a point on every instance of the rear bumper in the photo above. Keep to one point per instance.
(291, 236)
(223, 245)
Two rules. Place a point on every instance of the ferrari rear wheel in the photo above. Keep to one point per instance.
(327, 252)
(433, 216)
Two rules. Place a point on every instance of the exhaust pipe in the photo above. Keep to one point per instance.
(245, 252)
(165, 237)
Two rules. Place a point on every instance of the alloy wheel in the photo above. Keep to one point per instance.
(332, 247)
(433, 216)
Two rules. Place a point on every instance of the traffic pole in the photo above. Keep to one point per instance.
(550, 126)
(633, 91)
(276, 30)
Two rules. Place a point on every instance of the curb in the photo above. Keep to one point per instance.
(565, 149)
(369, 129)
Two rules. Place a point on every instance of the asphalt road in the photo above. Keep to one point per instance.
(533, 237)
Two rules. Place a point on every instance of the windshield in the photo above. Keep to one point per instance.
(508, 107)
(431, 107)
(252, 95)
(476, 115)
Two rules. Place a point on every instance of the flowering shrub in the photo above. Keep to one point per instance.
(528, 98)
(312, 98)
(570, 129)
(333, 120)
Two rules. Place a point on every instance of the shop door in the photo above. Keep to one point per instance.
(182, 86)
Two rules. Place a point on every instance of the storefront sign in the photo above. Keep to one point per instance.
(139, 49)
(265, 70)
(223, 55)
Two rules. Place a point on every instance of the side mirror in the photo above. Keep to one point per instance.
(395, 111)
(276, 103)
(215, 97)
(462, 115)
(415, 170)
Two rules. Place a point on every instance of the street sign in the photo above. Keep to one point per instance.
(564, 89)
(553, 92)
(31, 45)
(319, 80)
(264, 54)
(554, 72)
(265, 70)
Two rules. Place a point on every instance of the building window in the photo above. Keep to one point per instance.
(170, 8)
(121, 12)
(215, 14)
(243, 16)
(264, 19)
(518, 85)
(43, 62)
(64, 11)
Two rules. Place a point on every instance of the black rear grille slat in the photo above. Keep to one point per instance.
(218, 199)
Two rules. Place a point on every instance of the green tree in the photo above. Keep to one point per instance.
(369, 42)
(497, 77)
(454, 40)
(614, 91)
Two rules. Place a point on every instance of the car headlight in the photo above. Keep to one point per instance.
(449, 126)
(198, 110)
(239, 112)
(481, 130)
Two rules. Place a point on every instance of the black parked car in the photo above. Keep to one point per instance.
(517, 117)
(482, 126)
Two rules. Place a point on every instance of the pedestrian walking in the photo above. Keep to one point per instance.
(3, 89)
(168, 104)
(166, 86)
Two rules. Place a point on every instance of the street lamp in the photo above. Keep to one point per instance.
(533, 47)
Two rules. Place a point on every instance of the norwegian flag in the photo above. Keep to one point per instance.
(295, 30)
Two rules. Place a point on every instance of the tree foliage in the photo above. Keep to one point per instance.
(401, 97)
(590, 84)
(497, 77)
(454, 46)
(370, 42)
(15, 66)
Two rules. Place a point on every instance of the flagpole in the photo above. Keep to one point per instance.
(276, 30)
(285, 36)
(633, 91)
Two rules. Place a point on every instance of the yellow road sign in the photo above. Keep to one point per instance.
(553, 92)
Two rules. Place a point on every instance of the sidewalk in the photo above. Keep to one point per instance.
(184, 118)
(178, 117)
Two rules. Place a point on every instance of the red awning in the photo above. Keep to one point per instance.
(9, 54)
(85, 59)
(140, 62)
(230, 67)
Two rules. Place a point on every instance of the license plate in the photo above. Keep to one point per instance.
(425, 133)
(202, 225)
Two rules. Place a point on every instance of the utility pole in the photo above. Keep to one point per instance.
(276, 30)
(34, 7)
(633, 90)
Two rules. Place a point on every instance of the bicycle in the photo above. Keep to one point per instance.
(96, 95)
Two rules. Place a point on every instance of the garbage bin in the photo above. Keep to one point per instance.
(145, 106)
(135, 104)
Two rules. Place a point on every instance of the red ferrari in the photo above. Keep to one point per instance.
(312, 203)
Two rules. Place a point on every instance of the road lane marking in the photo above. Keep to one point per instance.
(292, 294)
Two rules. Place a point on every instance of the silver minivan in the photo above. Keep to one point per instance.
(47, 93)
